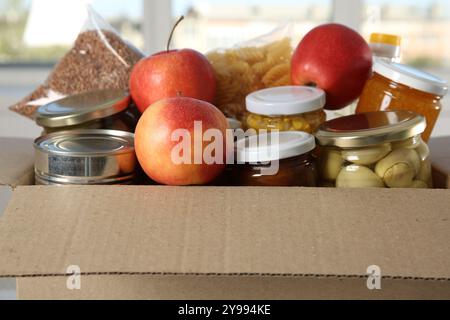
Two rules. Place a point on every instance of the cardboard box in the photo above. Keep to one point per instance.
(155, 242)
(440, 148)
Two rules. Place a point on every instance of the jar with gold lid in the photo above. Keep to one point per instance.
(103, 109)
(381, 149)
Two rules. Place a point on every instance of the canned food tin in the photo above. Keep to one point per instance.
(85, 157)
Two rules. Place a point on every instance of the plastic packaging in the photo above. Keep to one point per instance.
(251, 66)
(99, 59)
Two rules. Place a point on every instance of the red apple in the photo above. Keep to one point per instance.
(185, 73)
(159, 145)
(336, 59)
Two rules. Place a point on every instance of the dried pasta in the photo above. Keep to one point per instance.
(241, 71)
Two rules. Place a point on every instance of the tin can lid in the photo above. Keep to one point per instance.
(274, 146)
(372, 128)
(412, 77)
(288, 100)
(82, 108)
(86, 143)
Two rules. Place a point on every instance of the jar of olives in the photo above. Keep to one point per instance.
(276, 159)
(102, 109)
(289, 108)
(375, 150)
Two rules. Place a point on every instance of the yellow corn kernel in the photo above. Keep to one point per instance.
(308, 128)
(299, 124)
(275, 124)
(253, 121)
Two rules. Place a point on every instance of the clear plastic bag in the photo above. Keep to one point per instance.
(99, 59)
(256, 64)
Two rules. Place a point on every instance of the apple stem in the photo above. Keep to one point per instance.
(171, 33)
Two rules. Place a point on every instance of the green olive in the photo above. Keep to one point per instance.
(366, 156)
(331, 164)
(355, 176)
(399, 168)
(422, 150)
(425, 173)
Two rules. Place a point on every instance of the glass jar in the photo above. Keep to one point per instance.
(103, 109)
(375, 150)
(226, 178)
(399, 87)
(289, 108)
(276, 159)
(385, 47)
(234, 124)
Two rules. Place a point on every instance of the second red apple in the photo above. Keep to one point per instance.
(336, 59)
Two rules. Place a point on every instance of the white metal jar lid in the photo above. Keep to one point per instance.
(412, 77)
(288, 100)
(274, 146)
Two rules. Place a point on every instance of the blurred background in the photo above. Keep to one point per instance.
(35, 33)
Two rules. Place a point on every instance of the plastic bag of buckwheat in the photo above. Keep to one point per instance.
(99, 59)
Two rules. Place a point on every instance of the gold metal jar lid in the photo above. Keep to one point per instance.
(82, 108)
(372, 128)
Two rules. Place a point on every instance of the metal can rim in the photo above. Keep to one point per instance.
(110, 107)
(105, 132)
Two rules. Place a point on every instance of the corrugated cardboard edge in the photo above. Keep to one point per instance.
(228, 275)
(5, 196)
(440, 154)
(16, 162)
(226, 288)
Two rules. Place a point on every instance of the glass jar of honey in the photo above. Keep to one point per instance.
(289, 108)
(276, 159)
(381, 149)
(396, 86)
(102, 109)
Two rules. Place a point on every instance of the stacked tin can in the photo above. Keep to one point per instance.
(91, 140)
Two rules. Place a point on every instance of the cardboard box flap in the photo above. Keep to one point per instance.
(16, 162)
(196, 230)
(440, 156)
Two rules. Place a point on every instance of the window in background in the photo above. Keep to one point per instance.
(423, 25)
(35, 31)
(221, 23)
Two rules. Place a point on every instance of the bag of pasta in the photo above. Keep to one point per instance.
(260, 63)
